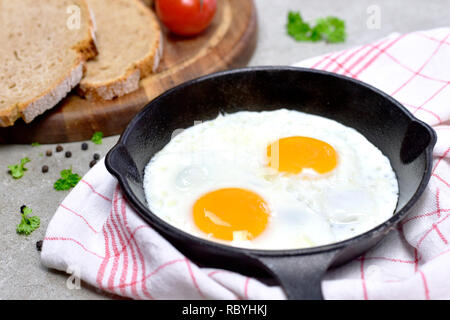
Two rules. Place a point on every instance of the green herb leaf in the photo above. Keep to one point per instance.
(28, 224)
(35, 144)
(97, 138)
(17, 171)
(27, 210)
(68, 180)
(297, 28)
(330, 29)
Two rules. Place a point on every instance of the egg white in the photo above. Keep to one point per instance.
(307, 209)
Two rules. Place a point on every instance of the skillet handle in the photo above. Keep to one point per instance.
(300, 276)
(121, 165)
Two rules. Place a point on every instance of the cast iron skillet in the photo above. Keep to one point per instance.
(407, 142)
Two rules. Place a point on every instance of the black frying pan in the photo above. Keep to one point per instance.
(406, 141)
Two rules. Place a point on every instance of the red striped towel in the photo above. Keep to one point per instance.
(95, 233)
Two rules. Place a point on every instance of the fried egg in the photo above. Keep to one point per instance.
(271, 180)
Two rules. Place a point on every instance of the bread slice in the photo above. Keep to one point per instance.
(44, 46)
(129, 42)
(149, 3)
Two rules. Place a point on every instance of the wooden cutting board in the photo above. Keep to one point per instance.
(228, 43)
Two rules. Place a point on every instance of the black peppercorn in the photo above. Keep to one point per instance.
(45, 169)
(49, 153)
(39, 245)
(22, 208)
(68, 154)
(96, 156)
(93, 163)
(84, 146)
(59, 148)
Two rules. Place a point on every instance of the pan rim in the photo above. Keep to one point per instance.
(385, 227)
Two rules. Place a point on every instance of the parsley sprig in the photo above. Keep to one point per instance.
(28, 224)
(97, 138)
(331, 29)
(18, 170)
(68, 180)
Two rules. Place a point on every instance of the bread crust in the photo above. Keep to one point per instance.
(88, 47)
(29, 110)
(111, 89)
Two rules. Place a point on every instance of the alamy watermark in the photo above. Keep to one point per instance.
(74, 19)
(373, 22)
(74, 280)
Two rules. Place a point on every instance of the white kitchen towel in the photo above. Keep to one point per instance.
(95, 233)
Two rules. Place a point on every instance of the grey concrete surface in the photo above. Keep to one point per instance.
(21, 274)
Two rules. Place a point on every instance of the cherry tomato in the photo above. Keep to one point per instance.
(186, 17)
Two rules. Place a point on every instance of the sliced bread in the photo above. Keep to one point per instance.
(44, 46)
(129, 42)
(149, 3)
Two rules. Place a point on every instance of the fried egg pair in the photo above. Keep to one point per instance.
(271, 180)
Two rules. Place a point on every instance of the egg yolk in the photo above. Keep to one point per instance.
(222, 212)
(293, 154)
